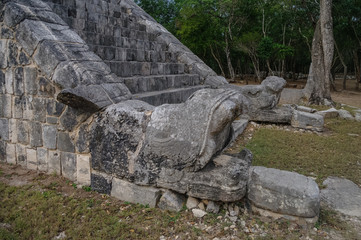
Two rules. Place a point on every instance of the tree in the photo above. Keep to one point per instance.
(317, 89)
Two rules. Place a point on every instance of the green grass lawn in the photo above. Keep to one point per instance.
(337, 153)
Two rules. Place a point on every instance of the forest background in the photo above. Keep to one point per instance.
(251, 39)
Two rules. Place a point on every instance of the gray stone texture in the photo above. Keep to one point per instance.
(329, 113)
(225, 179)
(261, 97)
(130, 192)
(2, 151)
(50, 136)
(30, 75)
(307, 121)
(68, 165)
(21, 155)
(344, 114)
(31, 159)
(101, 183)
(4, 129)
(342, 195)
(6, 105)
(171, 201)
(283, 192)
(23, 132)
(54, 165)
(208, 115)
(11, 153)
(36, 134)
(42, 154)
(65, 143)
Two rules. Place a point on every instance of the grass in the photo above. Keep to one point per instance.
(36, 214)
(335, 154)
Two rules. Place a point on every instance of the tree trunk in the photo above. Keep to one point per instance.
(317, 89)
(342, 60)
(357, 69)
(218, 61)
(229, 62)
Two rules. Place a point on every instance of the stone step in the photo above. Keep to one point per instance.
(171, 96)
(160, 82)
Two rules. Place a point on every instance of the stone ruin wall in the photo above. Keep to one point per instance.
(71, 72)
(43, 55)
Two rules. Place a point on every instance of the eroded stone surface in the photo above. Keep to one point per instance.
(308, 121)
(342, 195)
(283, 192)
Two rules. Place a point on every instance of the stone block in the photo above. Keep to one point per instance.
(11, 153)
(54, 108)
(6, 105)
(4, 129)
(344, 114)
(342, 195)
(50, 136)
(24, 59)
(31, 32)
(307, 121)
(65, 143)
(13, 137)
(42, 154)
(23, 132)
(9, 81)
(329, 113)
(2, 82)
(171, 201)
(28, 107)
(68, 165)
(12, 53)
(31, 159)
(2, 151)
(192, 202)
(358, 115)
(52, 120)
(101, 183)
(83, 170)
(133, 193)
(82, 141)
(19, 81)
(213, 207)
(3, 53)
(54, 165)
(18, 104)
(283, 192)
(21, 155)
(36, 132)
(39, 105)
(30, 75)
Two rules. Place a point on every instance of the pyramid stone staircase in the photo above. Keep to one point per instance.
(136, 48)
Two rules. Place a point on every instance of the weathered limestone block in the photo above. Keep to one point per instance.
(171, 201)
(130, 192)
(65, 143)
(358, 115)
(54, 162)
(83, 170)
(101, 182)
(224, 179)
(42, 154)
(308, 121)
(32, 159)
(192, 202)
(4, 129)
(276, 115)
(21, 155)
(50, 136)
(187, 135)
(283, 192)
(329, 113)
(68, 165)
(11, 153)
(2, 151)
(344, 114)
(342, 195)
(116, 140)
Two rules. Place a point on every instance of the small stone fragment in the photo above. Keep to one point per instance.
(198, 213)
(192, 202)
